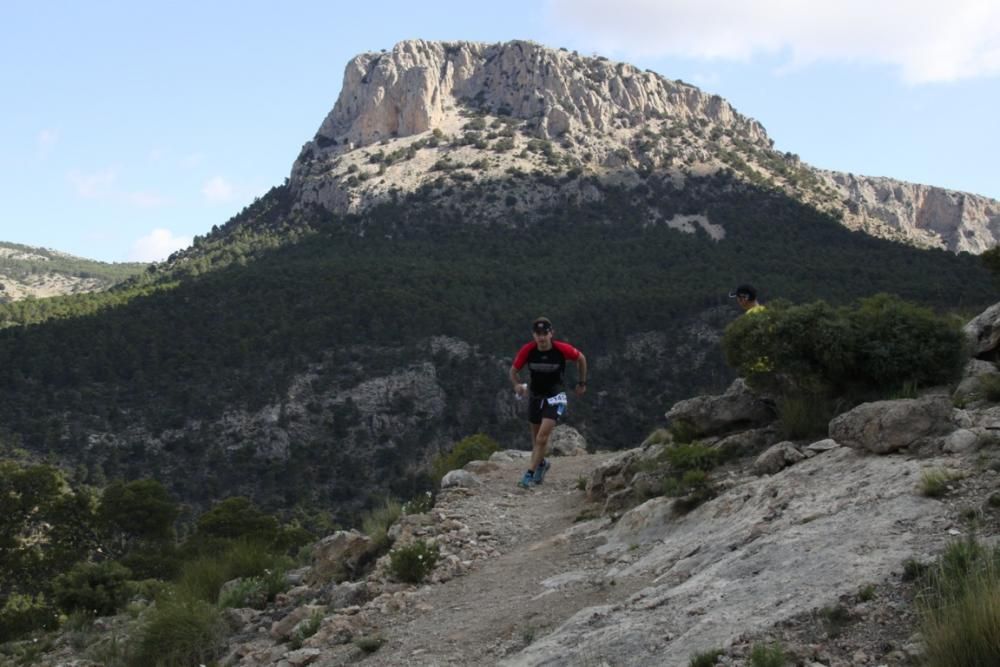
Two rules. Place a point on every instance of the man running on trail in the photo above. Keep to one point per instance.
(546, 360)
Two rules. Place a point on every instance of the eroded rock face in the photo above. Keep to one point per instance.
(923, 215)
(408, 90)
(983, 331)
(884, 427)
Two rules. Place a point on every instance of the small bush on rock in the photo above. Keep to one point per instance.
(706, 659)
(413, 563)
(476, 447)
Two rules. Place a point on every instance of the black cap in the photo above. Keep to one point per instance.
(541, 325)
(744, 290)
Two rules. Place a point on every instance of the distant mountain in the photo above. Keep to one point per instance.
(40, 272)
(321, 346)
(428, 115)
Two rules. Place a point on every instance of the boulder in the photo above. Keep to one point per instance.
(820, 446)
(566, 441)
(736, 409)
(747, 443)
(983, 331)
(337, 555)
(777, 458)
(462, 478)
(883, 427)
(282, 629)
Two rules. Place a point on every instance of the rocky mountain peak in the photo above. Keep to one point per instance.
(518, 127)
(410, 90)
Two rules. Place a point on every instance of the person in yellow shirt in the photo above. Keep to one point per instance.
(746, 297)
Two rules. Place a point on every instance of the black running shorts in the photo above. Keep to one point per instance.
(541, 407)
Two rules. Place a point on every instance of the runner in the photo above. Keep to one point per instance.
(546, 360)
(746, 297)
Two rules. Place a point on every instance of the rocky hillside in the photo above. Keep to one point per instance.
(40, 272)
(813, 546)
(427, 116)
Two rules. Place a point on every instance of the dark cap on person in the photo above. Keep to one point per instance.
(541, 325)
(744, 290)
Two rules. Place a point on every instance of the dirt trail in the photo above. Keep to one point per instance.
(548, 570)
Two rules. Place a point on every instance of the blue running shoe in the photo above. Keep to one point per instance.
(540, 471)
(527, 480)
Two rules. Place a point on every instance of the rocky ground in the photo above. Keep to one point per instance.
(539, 581)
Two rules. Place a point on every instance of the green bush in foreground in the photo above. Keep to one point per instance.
(413, 563)
(476, 447)
(959, 607)
(872, 349)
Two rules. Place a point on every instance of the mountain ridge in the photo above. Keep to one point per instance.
(524, 107)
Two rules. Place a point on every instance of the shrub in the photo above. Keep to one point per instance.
(988, 388)
(419, 504)
(306, 630)
(21, 614)
(202, 577)
(871, 349)
(805, 415)
(179, 631)
(706, 659)
(691, 456)
(934, 481)
(767, 655)
(959, 608)
(369, 644)
(683, 431)
(97, 588)
(413, 563)
(249, 592)
(377, 521)
(473, 448)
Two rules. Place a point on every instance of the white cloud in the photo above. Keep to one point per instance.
(217, 190)
(927, 40)
(47, 139)
(157, 246)
(93, 185)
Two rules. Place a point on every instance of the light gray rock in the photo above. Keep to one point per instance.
(566, 441)
(777, 458)
(983, 331)
(746, 443)
(337, 555)
(820, 446)
(462, 478)
(883, 427)
(736, 409)
(772, 549)
(960, 440)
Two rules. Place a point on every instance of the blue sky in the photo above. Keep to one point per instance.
(128, 128)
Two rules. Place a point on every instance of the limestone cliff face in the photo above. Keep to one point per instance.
(919, 214)
(410, 119)
(412, 88)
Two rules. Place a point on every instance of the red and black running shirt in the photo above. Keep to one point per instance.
(547, 367)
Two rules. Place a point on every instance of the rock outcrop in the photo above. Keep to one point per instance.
(406, 116)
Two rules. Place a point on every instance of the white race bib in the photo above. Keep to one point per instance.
(558, 399)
